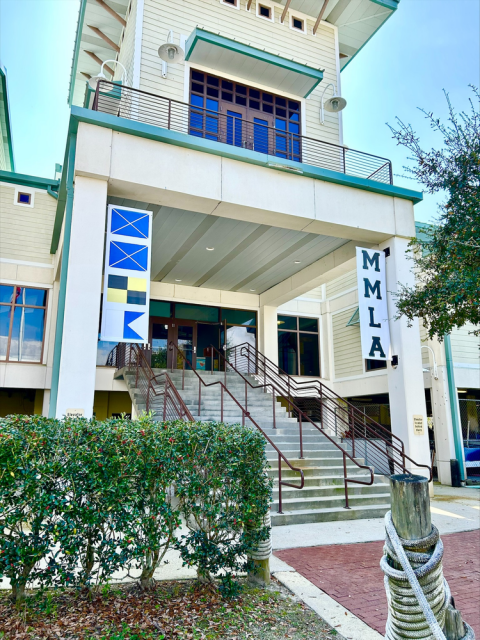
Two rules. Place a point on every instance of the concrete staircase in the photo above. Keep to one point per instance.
(323, 497)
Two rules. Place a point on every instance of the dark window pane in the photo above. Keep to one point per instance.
(281, 124)
(234, 128)
(199, 134)
(293, 105)
(227, 96)
(254, 104)
(27, 335)
(212, 105)
(260, 135)
(281, 112)
(295, 146)
(6, 293)
(197, 87)
(308, 324)
(287, 322)
(267, 97)
(196, 312)
(268, 108)
(293, 128)
(212, 92)
(298, 24)
(254, 93)
(239, 316)
(197, 101)
(241, 89)
(226, 84)
(211, 125)
(293, 116)
(213, 81)
(287, 352)
(196, 120)
(232, 2)
(36, 297)
(372, 365)
(281, 102)
(159, 345)
(159, 308)
(5, 315)
(281, 144)
(196, 75)
(265, 11)
(309, 355)
(241, 100)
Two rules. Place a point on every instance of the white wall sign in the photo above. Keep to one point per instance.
(372, 302)
(418, 428)
(126, 289)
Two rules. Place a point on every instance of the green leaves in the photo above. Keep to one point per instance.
(447, 256)
(81, 500)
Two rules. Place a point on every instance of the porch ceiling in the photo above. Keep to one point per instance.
(246, 257)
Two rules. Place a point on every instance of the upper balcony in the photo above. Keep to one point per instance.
(284, 146)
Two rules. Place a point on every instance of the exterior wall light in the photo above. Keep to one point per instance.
(94, 80)
(170, 52)
(435, 370)
(394, 362)
(334, 104)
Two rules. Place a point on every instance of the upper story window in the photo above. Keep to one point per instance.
(24, 197)
(22, 323)
(298, 24)
(298, 345)
(243, 116)
(265, 11)
(231, 3)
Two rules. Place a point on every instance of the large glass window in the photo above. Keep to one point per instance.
(298, 346)
(22, 323)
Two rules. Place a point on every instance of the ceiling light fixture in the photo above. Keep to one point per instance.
(297, 262)
(252, 289)
(210, 248)
(177, 280)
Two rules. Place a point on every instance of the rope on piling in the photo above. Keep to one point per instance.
(419, 595)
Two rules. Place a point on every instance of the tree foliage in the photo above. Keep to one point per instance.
(446, 255)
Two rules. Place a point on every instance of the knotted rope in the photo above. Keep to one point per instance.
(419, 595)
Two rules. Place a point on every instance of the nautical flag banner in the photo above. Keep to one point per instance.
(126, 289)
(372, 304)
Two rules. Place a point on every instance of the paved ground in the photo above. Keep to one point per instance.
(351, 575)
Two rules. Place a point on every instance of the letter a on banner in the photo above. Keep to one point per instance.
(372, 304)
(126, 289)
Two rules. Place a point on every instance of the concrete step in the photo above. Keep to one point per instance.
(316, 481)
(292, 454)
(318, 462)
(305, 516)
(336, 490)
(328, 502)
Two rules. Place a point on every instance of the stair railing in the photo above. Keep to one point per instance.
(179, 356)
(152, 387)
(365, 437)
(271, 387)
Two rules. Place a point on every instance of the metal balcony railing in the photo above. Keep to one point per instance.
(278, 144)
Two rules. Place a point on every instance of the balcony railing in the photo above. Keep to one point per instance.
(279, 145)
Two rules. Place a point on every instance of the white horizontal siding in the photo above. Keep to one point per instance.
(347, 350)
(127, 47)
(344, 283)
(465, 346)
(26, 232)
(182, 16)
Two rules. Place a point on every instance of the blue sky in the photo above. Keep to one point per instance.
(427, 46)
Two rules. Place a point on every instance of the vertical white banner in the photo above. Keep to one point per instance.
(372, 303)
(126, 289)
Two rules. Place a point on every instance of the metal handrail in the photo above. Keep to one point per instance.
(245, 414)
(302, 418)
(277, 144)
(394, 454)
(132, 358)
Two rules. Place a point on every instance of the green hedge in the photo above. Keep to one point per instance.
(82, 499)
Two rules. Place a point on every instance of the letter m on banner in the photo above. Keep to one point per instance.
(372, 304)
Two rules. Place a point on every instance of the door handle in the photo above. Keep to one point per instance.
(194, 349)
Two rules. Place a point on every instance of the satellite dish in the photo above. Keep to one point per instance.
(170, 52)
(335, 104)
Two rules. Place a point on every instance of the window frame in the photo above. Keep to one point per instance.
(26, 191)
(297, 332)
(266, 5)
(302, 20)
(13, 305)
(233, 5)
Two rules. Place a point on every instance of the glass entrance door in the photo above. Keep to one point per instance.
(186, 344)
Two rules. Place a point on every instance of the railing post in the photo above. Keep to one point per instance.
(211, 360)
(301, 435)
(289, 403)
(148, 396)
(165, 403)
(345, 480)
(390, 171)
(352, 427)
(169, 113)
(280, 484)
(183, 375)
(199, 396)
(274, 402)
(221, 404)
(246, 393)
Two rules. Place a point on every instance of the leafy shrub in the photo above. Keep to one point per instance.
(82, 499)
(224, 495)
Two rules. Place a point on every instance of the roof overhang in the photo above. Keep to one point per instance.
(254, 65)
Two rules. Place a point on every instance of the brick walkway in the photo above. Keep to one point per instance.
(351, 575)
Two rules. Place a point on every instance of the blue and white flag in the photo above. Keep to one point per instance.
(126, 289)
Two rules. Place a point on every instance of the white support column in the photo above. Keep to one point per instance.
(268, 334)
(405, 382)
(76, 385)
(442, 414)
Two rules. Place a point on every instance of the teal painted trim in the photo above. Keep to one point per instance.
(57, 351)
(6, 107)
(388, 4)
(28, 181)
(54, 194)
(452, 392)
(237, 153)
(246, 50)
(76, 51)
(368, 39)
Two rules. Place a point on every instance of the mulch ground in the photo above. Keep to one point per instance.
(351, 575)
(171, 611)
